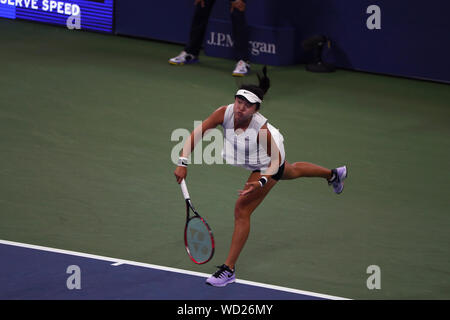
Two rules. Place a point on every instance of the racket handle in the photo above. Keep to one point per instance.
(184, 190)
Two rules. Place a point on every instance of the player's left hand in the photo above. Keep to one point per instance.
(249, 188)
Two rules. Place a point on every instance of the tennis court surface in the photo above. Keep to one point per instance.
(86, 124)
(35, 272)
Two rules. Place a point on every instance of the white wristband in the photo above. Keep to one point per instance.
(183, 162)
(262, 181)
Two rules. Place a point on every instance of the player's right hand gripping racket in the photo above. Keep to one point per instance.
(198, 237)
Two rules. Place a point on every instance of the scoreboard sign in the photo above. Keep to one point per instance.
(94, 15)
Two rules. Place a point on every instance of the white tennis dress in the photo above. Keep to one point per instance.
(241, 148)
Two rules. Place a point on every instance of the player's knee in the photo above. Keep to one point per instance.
(241, 213)
(293, 171)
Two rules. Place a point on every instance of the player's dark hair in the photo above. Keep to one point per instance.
(261, 89)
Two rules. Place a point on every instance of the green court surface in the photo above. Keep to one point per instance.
(85, 164)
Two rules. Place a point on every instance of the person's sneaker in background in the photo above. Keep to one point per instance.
(242, 68)
(183, 58)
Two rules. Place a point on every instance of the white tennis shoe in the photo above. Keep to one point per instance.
(183, 58)
(242, 68)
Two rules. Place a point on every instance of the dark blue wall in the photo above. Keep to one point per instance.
(413, 40)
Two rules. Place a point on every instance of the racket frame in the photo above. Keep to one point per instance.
(190, 207)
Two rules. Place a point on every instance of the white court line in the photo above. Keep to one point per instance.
(117, 262)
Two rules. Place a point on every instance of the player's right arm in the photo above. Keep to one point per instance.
(215, 119)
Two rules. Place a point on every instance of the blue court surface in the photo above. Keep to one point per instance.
(29, 272)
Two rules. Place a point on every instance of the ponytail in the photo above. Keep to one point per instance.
(264, 81)
(261, 89)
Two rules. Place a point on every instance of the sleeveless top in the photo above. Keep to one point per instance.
(241, 148)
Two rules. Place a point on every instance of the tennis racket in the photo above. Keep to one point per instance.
(198, 237)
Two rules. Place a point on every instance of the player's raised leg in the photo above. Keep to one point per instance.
(305, 169)
(335, 177)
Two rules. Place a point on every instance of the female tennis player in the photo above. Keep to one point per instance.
(251, 142)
